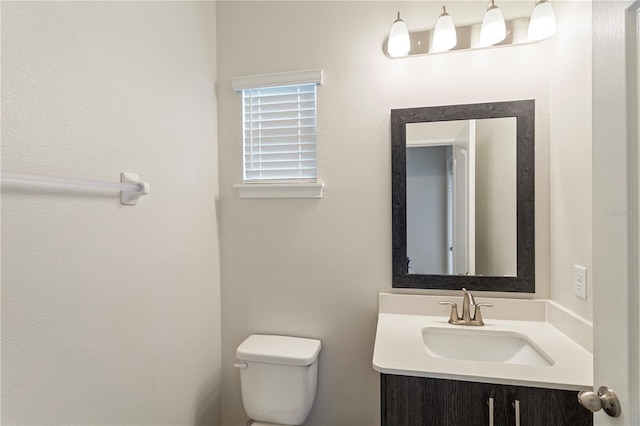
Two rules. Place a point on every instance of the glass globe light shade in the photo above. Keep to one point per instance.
(493, 29)
(399, 43)
(543, 21)
(444, 35)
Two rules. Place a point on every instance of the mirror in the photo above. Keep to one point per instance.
(463, 197)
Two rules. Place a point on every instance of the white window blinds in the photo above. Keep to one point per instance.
(279, 126)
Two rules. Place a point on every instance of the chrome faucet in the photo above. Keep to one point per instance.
(471, 314)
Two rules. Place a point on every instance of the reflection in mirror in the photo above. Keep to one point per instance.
(461, 197)
(463, 185)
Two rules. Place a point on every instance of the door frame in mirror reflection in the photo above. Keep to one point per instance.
(524, 112)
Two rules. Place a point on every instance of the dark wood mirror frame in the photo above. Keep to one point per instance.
(524, 111)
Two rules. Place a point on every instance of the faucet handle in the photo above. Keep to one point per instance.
(453, 316)
(477, 318)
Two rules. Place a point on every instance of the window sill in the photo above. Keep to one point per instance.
(279, 190)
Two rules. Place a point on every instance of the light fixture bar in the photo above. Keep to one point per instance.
(468, 38)
(493, 31)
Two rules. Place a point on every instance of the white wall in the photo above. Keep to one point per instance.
(314, 267)
(110, 314)
(570, 155)
(496, 195)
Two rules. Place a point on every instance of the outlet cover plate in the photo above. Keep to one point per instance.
(580, 281)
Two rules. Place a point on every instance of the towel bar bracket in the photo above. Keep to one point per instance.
(130, 198)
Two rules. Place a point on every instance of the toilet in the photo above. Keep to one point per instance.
(278, 376)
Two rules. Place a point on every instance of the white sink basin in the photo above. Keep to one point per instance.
(469, 344)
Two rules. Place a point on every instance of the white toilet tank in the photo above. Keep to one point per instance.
(278, 376)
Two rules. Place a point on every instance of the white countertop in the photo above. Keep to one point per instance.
(399, 349)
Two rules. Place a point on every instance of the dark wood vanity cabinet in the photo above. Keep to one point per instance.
(415, 401)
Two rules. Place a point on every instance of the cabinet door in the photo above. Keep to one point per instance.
(551, 408)
(415, 401)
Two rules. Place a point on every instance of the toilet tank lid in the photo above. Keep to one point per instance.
(279, 349)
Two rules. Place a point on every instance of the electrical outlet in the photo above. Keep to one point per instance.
(580, 281)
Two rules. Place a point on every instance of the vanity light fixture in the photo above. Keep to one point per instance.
(399, 43)
(444, 35)
(543, 21)
(494, 28)
(494, 31)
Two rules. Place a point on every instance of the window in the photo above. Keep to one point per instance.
(279, 135)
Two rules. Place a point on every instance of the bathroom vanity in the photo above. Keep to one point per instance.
(408, 400)
(517, 369)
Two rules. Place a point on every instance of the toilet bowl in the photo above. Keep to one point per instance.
(278, 377)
